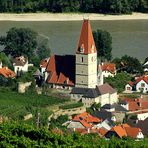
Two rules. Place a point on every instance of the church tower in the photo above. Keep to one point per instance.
(86, 58)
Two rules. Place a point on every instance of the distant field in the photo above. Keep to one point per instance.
(15, 106)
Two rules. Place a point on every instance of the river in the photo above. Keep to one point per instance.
(129, 36)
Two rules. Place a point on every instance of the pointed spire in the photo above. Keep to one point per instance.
(86, 42)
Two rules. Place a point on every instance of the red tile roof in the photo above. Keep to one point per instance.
(61, 70)
(144, 78)
(132, 131)
(86, 41)
(119, 130)
(86, 119)
(109, 67)
(126, 130)
(131, 83)
(102, 131)
(86, 116)
(7, 73)
(136, 104)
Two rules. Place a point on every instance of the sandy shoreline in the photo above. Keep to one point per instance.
(68, 17)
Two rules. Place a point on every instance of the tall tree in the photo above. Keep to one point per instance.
(103, 41)
(19, 41)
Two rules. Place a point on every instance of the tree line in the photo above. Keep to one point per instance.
(22, 135)
(96, 6)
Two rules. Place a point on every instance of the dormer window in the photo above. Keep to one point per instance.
(92, 48)
(81, 49)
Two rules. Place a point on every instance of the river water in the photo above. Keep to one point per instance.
(129, 36)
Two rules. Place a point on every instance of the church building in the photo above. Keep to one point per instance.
(80, 73)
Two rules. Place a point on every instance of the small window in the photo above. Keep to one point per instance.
(82, 59)
(142, 85)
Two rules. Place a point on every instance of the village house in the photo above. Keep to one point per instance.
(134, 104)
(139, 85)
(20, 64)
(103, 94)
(6, 72)
(125, 130)
(83, 121)
(142, 124)
(108, 69)
(79, 73)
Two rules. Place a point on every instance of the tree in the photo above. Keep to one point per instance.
(128, 64)
(19, 41)
(4, 59)
(119, 81)
(103, 41)
(43, 50)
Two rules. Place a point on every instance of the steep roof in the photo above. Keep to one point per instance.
(142, 124)
(86, 43)
(105, 88)
(7, 73)
(144, 78)
(61, 70)
(132, 131)
(119, 130)
(111, 67)
(86, 117)
(19, 61)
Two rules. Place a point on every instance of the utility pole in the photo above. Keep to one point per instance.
(38, 120)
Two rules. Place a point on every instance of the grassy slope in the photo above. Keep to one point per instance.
(15, 105)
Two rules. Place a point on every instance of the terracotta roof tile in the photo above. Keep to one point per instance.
(136, 104)
(132, 131)
(119, 130)
(86, 41)
(86, 119)
(144, 78)
(7, 73)
(109, 67)
(59, 71)
(102, 131)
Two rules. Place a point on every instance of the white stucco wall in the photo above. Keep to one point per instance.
(139, 86)
(140, 135)
(113, 98)
(107, 74)
(128, 86)
(142, 116)
(21, 68)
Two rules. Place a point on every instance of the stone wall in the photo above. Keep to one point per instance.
(22, 87)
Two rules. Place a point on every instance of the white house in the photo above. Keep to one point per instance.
(129, 87)
(108, 69)
(142, 115)
(142, 84)
(20, 64)
(139, 85)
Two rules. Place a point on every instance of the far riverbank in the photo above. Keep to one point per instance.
(68, 16)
